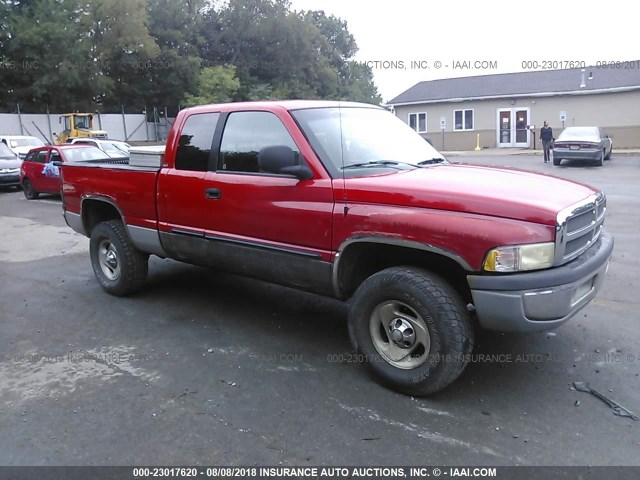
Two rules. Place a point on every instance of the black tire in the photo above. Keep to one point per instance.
(439, 307)
(600, 161)
(119, 268)
(28, 190)
(556, 161)
(608, 156)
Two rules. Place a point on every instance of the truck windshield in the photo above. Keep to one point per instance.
(364, 139)
(6, 152)
(84, 154)
(26, 142)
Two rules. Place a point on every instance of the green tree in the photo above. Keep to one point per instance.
(283, 54)
(175, 26)
(86, 54)
(357, 84)
(215, 85)
(50, 57)
(121, 47)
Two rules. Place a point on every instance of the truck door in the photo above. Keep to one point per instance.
(279, 225)
(182, 202)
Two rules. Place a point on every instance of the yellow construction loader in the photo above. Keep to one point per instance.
(78, 125)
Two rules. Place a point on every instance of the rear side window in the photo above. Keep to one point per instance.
(245, 134)
(194, 144)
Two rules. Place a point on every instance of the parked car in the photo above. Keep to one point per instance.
(346, 200)
(21, 144)
(9, 167)
(582, 143)
(38, 173)
(115, 148)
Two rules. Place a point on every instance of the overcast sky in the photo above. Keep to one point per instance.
(505, 32)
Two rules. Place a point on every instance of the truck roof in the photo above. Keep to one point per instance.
(286, 104)
(2, 135)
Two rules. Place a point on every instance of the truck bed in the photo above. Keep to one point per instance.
(131, 189)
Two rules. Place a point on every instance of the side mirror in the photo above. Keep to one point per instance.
(57, 163)
(282, 160)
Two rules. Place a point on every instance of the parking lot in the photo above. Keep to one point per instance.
(208, 368)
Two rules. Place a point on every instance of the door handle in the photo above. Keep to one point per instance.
(213, 193)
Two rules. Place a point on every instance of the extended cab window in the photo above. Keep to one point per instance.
(245, 134)
(194, 145)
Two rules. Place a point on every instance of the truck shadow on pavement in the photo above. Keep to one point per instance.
(268, 319)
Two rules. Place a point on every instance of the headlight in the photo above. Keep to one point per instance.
(517, 258)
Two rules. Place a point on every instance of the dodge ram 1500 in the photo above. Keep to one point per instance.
(346, 200)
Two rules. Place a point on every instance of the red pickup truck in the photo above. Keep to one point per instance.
(345, 200)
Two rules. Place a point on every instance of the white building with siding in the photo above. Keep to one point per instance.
(507, 110)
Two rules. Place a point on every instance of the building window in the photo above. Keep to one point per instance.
(463, 119)
(418, 121)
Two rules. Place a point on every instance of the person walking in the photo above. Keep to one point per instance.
(546, 137)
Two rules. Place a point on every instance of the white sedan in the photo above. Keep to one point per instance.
(582, 143)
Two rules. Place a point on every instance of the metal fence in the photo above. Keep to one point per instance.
(130, 127)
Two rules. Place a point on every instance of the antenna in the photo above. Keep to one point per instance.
(344, 183)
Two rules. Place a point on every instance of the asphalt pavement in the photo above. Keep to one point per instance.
(209, 368)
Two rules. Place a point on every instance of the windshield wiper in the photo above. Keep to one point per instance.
(377, 163)
(432, 161)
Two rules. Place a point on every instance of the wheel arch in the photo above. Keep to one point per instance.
(359, 258)
(97, 209)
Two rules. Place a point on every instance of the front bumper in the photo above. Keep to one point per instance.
(582, 154)
(541, 300)
(9, 179)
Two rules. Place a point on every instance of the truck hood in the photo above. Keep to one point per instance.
(493, 191)
(22, 151)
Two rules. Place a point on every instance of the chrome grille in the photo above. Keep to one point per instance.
(578, 227)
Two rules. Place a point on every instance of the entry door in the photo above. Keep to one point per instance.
(512, 128)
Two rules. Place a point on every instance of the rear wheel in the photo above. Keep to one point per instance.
(412, 329)
(28, 190)
(608, 156)
(600, 161)
(556, 161)
(117, 265)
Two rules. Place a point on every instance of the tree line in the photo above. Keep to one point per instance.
(98, 55)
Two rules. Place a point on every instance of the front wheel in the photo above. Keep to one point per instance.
(117, 265)
(28, 190)
(412, 328)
